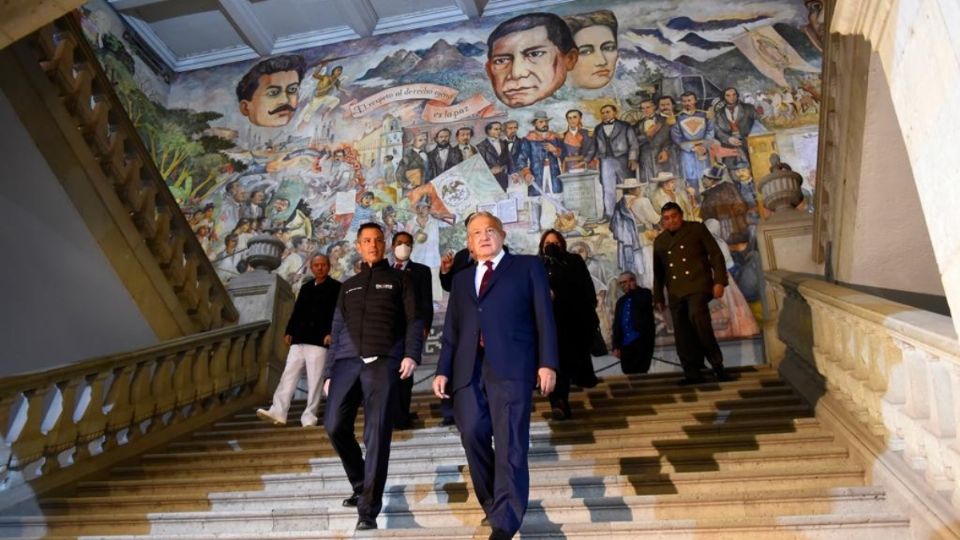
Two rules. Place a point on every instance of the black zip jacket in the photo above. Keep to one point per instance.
(313, 312)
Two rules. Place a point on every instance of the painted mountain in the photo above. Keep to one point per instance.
(393, 66)
(444, 64)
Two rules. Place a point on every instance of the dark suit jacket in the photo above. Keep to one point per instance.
(461, 260)
(453, 157)
(643, 321)
(493, 159)
(515, 316)
(724, 129)
(519, 154)
(687, 262)
(422, 285)
(621, 143)
(411, 160)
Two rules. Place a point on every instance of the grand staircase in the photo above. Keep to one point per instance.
(642, 457)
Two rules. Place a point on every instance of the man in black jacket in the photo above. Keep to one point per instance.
(374, 327)
(423, 285)
(308, 335)
(634, 330)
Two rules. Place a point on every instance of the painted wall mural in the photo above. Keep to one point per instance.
(586, 119)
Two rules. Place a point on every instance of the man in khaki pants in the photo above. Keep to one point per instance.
(308, 335)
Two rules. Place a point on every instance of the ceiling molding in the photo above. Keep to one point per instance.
(499, 7)
(419, 19)
(244, 20)
(306, 40)
(188, 63)
(359, 15)
(126, 5)
(473, 9)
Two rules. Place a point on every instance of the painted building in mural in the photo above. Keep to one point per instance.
(585, 118)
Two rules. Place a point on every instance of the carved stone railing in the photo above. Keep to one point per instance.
(66, 422)
(71, 65)
(889, 372)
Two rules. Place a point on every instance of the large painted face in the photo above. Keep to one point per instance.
(598, 55)
(526, 67)
(275, 100)
(485, 237)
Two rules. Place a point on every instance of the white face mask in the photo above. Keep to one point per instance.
(402, 252)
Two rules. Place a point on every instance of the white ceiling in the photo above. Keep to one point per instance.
(194, 34)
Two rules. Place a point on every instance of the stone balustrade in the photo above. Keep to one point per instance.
(894, 369)
(57, 420)
(71, 65)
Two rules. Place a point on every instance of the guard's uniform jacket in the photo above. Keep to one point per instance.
(376, 316)
(687, 262)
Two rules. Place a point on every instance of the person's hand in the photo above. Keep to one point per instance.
(546, 380)
(446, 262)
(717, 291)
(288, 339)
(700, 150)
(407, 366)
(326, 387)
(327, 340)
(632, 164)
(551, 148)
(615, 352)
(663, 156)
(658, 306)
(734, 141)
(496, 169)
(439, 383)
(691, 192)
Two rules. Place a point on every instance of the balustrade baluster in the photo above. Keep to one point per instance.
(119, 409)
(92, 423)
(62, 435)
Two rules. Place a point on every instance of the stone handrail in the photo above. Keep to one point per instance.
(894, 369)
(60, 419)
(71, 65)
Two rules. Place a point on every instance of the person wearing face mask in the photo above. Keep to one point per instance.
(423, 290)
(574, 303)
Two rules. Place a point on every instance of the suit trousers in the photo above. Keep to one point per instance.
(491, 410)
(613, 170)
(300, 357)
(376, 385)
(693, 332)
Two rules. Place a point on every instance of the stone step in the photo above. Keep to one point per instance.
(813, 475)
(602, 460)
(670, 392)
(705, 419)
(425, 439)
(405, 497)
(615, 517)
(717, 393)
(237, 450)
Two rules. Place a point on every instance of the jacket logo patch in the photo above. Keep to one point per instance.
(353, 290)
(384, 286)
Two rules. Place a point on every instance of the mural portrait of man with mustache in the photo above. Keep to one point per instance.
(268, 93)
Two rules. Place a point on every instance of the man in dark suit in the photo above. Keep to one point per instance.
(376, 341)
(495, 153)
(443, 156)
(615, 145)
(422, 284)
(499, 341)
(634, 330)
(653, 139)
(518, 147)
(733, 122)
(415, 158)
(689, 263)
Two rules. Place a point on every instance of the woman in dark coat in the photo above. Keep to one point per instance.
(574, 303)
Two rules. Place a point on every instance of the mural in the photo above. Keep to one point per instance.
(586, 119)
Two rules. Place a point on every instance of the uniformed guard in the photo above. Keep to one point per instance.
(688, 262)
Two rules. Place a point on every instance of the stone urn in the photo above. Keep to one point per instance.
(781, 190)
(264, 252)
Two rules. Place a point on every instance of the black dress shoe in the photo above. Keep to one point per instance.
(352, 500)
(366, 524)
(722, 375)
(687, 381)
(500, 534)
(561, 411)
(448, 421)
